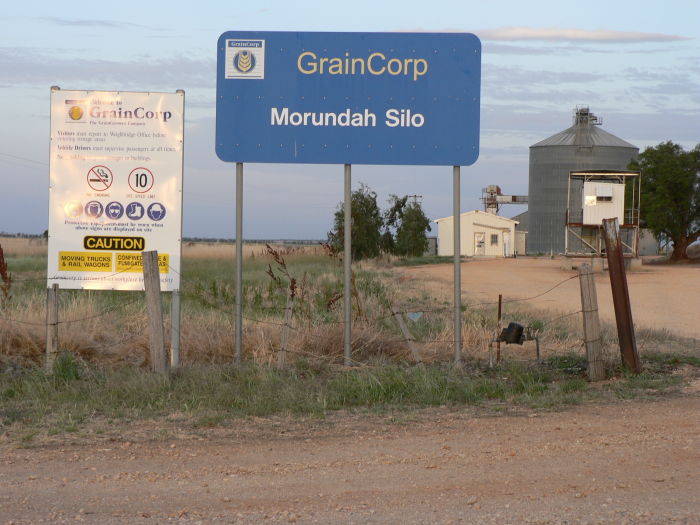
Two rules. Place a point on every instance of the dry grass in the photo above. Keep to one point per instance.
(223, 250)
(111, 328)
(23, 247)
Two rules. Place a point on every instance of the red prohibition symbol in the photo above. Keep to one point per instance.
(99, 178)
(141, 180)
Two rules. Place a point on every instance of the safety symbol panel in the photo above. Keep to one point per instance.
(114, 210)
(141, 180)
(94, 209)
(73, 209)
(134, 211)
(100, 178)
(156, 211)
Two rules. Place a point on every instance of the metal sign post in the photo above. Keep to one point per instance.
(347, 268)
(239, 262)
(456, 227)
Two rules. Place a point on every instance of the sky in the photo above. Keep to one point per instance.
(635, 64)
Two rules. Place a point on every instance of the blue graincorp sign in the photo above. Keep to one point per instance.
(348, 98)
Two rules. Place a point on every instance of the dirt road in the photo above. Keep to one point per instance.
(636, 463)
(662, 296)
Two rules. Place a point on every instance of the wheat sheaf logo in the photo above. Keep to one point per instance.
(75, 113)
(244, 61)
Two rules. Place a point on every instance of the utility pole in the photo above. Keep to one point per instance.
(415, 198)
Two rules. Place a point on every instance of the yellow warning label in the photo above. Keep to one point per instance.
(133, 262)
(108, 242)
(84, 262)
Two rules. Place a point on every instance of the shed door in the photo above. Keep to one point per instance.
(479, 243)
(507, 249)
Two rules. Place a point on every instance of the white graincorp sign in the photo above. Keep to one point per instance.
(115, 188)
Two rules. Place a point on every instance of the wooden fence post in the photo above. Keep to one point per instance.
(282, 354)
(151, 283)
(407, 335)
(621, 296)
(591, 324)
(51, 326)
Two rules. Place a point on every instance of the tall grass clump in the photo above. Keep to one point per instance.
(5, 280)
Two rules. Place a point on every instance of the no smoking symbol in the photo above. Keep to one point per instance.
(100, 178)
(141, 180)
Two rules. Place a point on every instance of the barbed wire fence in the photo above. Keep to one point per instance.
(318, 337)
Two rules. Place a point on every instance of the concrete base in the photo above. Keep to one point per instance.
(633, 264)
(600, 264)
(597, 264)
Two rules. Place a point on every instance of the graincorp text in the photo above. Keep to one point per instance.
(137, 113)
(309, 63)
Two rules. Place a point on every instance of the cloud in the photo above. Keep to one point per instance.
(29, 66)
(643, 129)
(515, 75)
(96, 23)
(554, 34)
(530, 86)
(548, 50)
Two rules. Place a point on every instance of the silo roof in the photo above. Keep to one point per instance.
(585, 132)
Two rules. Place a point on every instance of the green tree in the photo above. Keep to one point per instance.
(411, 237)
(670, 200)
(410, 223)
(367, 223)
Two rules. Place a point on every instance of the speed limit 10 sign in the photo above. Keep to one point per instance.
(141, 180)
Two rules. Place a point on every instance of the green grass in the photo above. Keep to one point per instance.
(26, 263)
(428, 259)
(76, 394)
(672, 360)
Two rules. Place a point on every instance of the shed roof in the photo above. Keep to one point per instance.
(475, 212)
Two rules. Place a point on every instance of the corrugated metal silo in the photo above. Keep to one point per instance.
(583, 146)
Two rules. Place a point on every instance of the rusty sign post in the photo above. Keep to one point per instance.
(620, 295)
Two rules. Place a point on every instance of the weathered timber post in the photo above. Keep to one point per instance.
(591, 324)
(151, 283)
(51, 326)
(620, 295)
(406, 335)
(175, 329)
(282, 354)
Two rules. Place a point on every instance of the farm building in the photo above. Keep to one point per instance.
(481, 234)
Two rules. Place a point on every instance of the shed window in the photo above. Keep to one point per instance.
(494, 239)
(604, 192)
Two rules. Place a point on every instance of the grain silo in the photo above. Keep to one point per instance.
(583, 146)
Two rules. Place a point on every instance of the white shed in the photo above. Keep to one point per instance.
(481, 234)
(602, 200)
